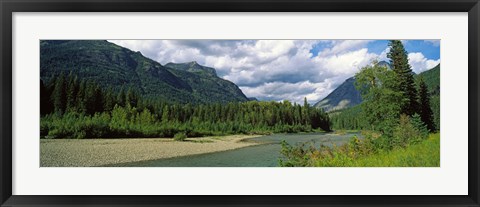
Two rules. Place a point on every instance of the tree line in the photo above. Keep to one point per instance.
(73, 108)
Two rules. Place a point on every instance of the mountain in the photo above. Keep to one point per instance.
(205, 84)
(112, 65)
(193, 67)
(432, 79)
(384, 64)
(346, 95)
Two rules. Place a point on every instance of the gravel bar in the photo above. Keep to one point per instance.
(98, 152)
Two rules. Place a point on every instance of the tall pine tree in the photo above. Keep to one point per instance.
(109, 99)
(121, 98)
(72, 90)
(81, 104)
(131, 97)
(406, 82)
(59, 95)
(45, 103)
(425, 111)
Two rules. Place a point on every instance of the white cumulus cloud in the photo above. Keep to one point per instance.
(420, 63)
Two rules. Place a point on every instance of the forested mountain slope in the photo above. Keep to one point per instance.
(108, 64)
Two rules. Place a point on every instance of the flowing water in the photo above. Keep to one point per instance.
(265, 155)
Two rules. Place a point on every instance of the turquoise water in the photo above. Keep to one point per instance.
(264, 155)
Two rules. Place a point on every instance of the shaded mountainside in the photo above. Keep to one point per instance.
(111, 65)
(346, 95)
(193, 67)
(432, 79)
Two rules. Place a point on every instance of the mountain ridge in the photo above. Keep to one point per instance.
(114, 66)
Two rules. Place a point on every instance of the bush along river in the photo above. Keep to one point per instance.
(266, 154)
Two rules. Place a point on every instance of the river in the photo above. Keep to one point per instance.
(265, 155)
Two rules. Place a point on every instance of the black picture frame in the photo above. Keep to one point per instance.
(7, 7)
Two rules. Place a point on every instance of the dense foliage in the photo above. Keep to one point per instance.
(382, 100)
(409, 132)
(83, 109)
(360, 153)
(349, 119)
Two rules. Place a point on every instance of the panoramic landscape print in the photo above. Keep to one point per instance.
(239, 103)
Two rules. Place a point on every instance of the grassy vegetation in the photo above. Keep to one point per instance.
(408, 145)
(423, 154)
(345, 131)
(181, 136)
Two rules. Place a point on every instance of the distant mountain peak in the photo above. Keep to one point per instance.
(192, 66)
(384, 63)
(344, 96)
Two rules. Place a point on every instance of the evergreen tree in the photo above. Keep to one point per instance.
(306, 111)
(420, 125)
(435, 106)
(45, 103)
(109, 99)
(425, 111)
(72, 89)
(131, 97)
(165, 114)
(80, 99)
(50, 85)
(121, 98)
(59, 95)
(98, 99)
(406, 82)
(93, 98)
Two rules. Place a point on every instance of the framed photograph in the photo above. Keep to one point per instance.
(196, 103)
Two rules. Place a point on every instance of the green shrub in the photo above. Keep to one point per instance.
(181, 136)
(408, 132)
(296, 156)
(420, 126)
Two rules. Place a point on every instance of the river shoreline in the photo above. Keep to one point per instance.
(100, 152)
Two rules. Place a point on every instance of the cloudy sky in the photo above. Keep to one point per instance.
(284, 69)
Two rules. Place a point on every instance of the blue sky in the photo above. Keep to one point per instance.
(430, 49)
(284, 69)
